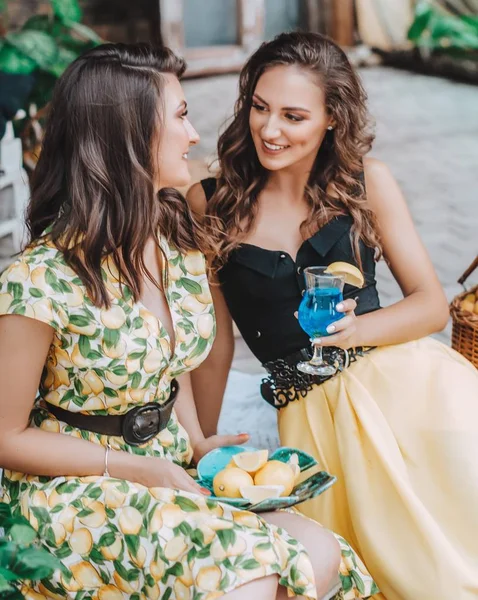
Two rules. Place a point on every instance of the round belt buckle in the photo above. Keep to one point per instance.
(141, 424)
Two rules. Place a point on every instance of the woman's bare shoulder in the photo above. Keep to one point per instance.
(196, 198)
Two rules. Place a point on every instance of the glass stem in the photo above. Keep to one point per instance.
(316, 359)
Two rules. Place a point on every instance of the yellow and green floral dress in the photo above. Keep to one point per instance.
(117, 539)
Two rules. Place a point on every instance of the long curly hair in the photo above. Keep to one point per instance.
(93, 187)
(335, 186)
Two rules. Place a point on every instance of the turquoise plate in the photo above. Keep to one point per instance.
(217, 459)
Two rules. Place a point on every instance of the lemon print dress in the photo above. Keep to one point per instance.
(117, 539)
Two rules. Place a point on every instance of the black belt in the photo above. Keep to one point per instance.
(285, 383)
(137, 426)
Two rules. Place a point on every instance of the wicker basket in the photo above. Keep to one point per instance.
(464, 337)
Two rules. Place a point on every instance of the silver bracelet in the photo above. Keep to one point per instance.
(106, 472)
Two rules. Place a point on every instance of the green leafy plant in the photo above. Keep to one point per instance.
(40, 51)
(45, 45)
(21, 558)
(436, 29)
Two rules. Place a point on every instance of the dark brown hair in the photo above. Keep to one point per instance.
(93, 185)
(335, 185)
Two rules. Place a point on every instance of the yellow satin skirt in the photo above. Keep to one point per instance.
(399, 429)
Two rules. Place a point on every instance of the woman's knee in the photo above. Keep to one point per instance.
(321, 545)
(264, 588)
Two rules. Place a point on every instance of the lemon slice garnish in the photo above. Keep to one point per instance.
(351, 274)
(251, 461)
(257, 493)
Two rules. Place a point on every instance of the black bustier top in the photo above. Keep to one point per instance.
(263, 288)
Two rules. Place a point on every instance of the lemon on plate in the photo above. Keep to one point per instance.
(257, 493)
(228, 482)
(250, 462)
(276, 472)
(351, 274)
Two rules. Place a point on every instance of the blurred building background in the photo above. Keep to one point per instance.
(427, 126)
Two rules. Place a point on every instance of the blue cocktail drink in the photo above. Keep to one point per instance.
(317, 311)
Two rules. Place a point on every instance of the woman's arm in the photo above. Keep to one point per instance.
(209, 380)
(424, 308)
(24, 346)
(188, 417)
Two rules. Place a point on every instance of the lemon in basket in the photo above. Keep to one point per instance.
(351, 274)
(276, 472)
(228, 482)
(258, 493)
(250, 461)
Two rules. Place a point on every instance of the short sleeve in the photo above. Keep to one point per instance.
(28, 288)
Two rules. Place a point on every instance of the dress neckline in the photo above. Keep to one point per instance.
(322, 240)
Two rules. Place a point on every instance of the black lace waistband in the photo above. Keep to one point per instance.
(285, 383)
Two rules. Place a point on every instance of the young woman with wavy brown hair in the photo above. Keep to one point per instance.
(99, 329)
(398, 422)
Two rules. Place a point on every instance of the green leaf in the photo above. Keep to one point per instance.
(110, 392)
(5, 512)
(36, 293)
(64, 551)
(65, 286)
(14, 61)
(135, 380)
(197, 537)
(137, 323)
(185, 528)
(132, 543)
(252, 563)
(199, 349)
(79, 320)
(7, 552)
(64, 57)
(23, 534)
(167, 594)
(84, 346)
(67, 10)
(205, 552)
(36, 45)
(186, 504)
(189, 285)
(143, 504)
(358, 582)
(16, 289)
(111, 337)
(8, 591)
(86, 512)
(41, 514)
(95, 493)
(107, 539)
(120, 370)
(35, 563)
(176, 570)
(67, 487)
(227, 537)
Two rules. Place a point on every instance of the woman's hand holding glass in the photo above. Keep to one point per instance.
(343, 333)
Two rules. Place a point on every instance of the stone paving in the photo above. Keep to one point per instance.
(427, 132)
